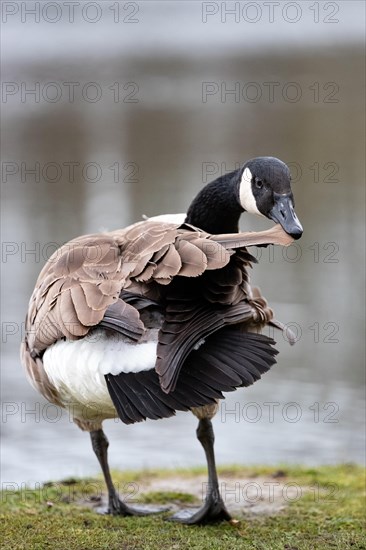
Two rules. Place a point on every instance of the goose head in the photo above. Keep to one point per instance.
(261, 186)
(265, 189)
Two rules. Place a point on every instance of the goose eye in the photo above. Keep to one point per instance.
(259, 184)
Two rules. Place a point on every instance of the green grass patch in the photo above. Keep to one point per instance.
(330, 514)
(167, 497)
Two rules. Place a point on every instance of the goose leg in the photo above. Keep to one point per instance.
(115, 505)
(214, 509)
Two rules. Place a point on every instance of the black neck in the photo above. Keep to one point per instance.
(216, 209)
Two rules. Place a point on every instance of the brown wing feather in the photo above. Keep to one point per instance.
(86, 276)
(274, 235)
(169, 265)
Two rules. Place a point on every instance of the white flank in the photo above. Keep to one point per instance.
(247, 199)
(77, 368)
(169, 218)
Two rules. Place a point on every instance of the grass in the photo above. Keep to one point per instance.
(330, 514)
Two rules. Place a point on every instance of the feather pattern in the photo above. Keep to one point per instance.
(203, 377)
(111, 279)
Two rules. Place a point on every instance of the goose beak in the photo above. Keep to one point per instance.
(283, 213)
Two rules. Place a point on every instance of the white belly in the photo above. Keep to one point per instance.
(77, 369)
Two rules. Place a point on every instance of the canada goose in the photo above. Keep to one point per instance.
(160, 316)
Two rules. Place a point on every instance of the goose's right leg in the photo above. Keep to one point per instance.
(213, 509)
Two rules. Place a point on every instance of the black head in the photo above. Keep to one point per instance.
(265, 189)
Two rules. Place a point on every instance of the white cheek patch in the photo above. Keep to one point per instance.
(247, 199)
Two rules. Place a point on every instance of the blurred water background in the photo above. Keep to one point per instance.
(132, 114)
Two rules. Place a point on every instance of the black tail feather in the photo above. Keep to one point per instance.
(225, 361)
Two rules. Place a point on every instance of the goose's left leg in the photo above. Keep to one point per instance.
(214, 509)
(115, 505)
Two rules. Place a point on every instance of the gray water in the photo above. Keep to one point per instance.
(168, 136)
